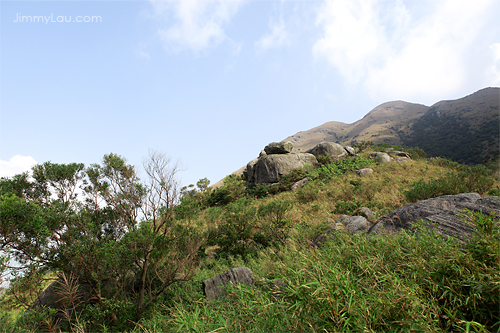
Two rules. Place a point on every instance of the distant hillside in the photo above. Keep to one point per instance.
(466, 130)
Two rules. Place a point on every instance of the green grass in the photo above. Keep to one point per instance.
(399, 282)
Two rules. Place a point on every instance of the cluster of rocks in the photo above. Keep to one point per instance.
(444, 214)
(277, 160)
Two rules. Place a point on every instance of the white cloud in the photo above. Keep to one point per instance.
(403, 51)
(198, 24)
(275, 39)
(495, 68)
(16, 165)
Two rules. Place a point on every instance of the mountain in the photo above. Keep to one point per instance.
(466, 130)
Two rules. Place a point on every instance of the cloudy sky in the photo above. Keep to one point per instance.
(211, 82)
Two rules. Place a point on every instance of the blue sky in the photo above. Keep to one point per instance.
(211, 82)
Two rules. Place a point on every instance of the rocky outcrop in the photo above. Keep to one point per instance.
(366, 212)
(364, 171)
(213, 288)
(445, 213)
(279, 148)
(330, 233)
(350, 151)
(334, 150)
(272, 167)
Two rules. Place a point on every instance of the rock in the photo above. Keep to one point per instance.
(444, 211)
(213, 288)
(401, 160)
(249, 171)
(366, 212)
(279, 148)
(364, 171)
(262, 153)
(381, 157)
(336, 227)
(299, 183)
(272, 167)
(334, 150)
(400, 154)
(350, 151)
(355, 224)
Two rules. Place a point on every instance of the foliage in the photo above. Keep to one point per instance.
(234, 234)
(276, 224)
(232, 189)
(416, 153)
(121, 239)
(340, 167)
(363, 145)
(348, 207)
(467, 179)
(383, 146)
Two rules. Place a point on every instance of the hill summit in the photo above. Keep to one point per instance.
(466, 130)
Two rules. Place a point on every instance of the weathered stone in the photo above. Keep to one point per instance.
(364, 171)
(299, 183)
(279, 148)
(400, 154)
(366, 212)
(248, 173)
(272, 167)
(213, 288)
(351, 151)
(381, 157)
(445, 212)
(262, 153)
(401, 160)
(355, 224)
(334, 150)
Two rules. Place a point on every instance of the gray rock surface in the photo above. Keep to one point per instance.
(381, 157)
(272, 167)
(364, 171)
(213, 288)
(279, 148)
(445, 211)
(350, 151)
(249, 170)
(299, 183)
(367, 213)
(355, 224)
(335, 150)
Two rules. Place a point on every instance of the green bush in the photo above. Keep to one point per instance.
(468, 179)
(416, 153)
(276, 224)
(235, 232)
(329, 171)
(347, 207)
(384, 145)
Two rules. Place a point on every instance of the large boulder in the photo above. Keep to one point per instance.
(279, 148)
(270, 168)
(445, 212)
(334, 150)
(213, 288)
(381, 157)
(248, 172)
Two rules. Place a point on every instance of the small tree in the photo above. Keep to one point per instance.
(120, 238)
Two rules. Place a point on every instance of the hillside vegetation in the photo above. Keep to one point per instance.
(394, 282)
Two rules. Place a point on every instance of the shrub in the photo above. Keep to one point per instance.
(329, 171)
(347, 207)
(416, 153)
(468, 179)
(360, 146)
(276, 224)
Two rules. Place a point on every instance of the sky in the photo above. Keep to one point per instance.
(211, 82)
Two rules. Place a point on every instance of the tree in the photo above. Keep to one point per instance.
(119, 237)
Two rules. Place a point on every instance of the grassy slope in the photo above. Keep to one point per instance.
(353, 284)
